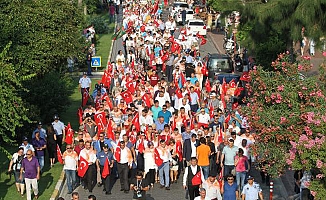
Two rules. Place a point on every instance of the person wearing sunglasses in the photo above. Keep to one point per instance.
(70, 160)
(230, 188)
(31, 169)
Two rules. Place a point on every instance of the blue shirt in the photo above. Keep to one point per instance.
(102, 156)
(85, 82)
(157, 51)
(229, 191)
(97, 144)
(194, 98)
(186, 136)
(193, 80)
(42, 133)
(206, 110)
(167, 115)
(155, 111)
(159, 126)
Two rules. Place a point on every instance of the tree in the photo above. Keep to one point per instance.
(43, 34)
(287, 112)
(13, 111)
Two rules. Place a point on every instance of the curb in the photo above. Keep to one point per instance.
(112, 42)
(58, 186)
(214, 42)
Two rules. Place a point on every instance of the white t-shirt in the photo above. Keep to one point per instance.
(203, 118)
(70, 159)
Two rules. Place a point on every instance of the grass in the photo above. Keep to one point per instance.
(104, 42)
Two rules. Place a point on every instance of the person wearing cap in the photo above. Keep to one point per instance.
(70, 161)
(14, 166)
(85, 83)
(101, 142)
(41, 130)
(212, 187)
(228, 154)
(252, 190)
(59, 129)
(27, 146)
(102, 156)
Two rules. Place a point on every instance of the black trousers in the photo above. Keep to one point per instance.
(150, 176)
(123, 170)
(193, 191)
(168, 73)
(89, 178)
(59, 141)
(106, 181)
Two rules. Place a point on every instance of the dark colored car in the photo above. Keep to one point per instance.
(221, 66)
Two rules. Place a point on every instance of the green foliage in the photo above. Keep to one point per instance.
(93, 6)
(225, 6)
(12, 107)
(49, 95)
(43, 34)
(100, 24)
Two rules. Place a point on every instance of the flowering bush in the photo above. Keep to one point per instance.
(288, 113)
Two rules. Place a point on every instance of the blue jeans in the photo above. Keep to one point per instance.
(240, 176)
(228, 169)
(71, 179)
(205, 171)
(41, 161)
(164, 168)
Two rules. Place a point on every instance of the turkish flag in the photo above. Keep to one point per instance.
(135, 122)
(184, 122)
(132, 137)
(132, 65)
(105, 78)
(196, 180)
(204, 70)
(142, 28)
(155, 8)
(211, 111)
(127, 96)
(141, 146)
(232, 84)
(220, 135)
(82, 167)
(183, 78)
(109, 132)
(100, 120)
(237, 91)
(59, 154)
(203, 41)
(130, 86)
(165, 57)
(117, 154)
(106, 168)
(80, 114)
(175, 47)
(108, 100)
(208, 85)
(69, 134)
(245, 76)
(178, 93)
(171, 39)
(147, 99)
(156, 23)
(164, 67)
(199, 36)
(224, 89)
(227, 119)
(174, 125)
(178, 147)
(85, 97)
(110, 67)
(157, 158)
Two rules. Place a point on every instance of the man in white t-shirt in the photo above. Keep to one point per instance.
(70, 160)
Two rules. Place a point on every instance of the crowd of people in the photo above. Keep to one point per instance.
(153, 117)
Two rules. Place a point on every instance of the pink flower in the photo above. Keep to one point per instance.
(320, 176)
(304, 88)
(324, 53)
(317, 122)
(280, 88)
(294, 144)
(319, 93)
(308, 130)
(303, 138)
(283, 120)
(313, 193)
(306, 57)
(323, 118)
(300, 67)
(273, 96)
(289, 162)
(319, 164)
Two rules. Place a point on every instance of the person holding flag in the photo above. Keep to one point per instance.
(70, 161)
(85, 85)
(104, 163)
(193, 178)
(87, 157)
(124, 164)
(164, 168)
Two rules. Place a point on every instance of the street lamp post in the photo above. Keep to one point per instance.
(271, 189)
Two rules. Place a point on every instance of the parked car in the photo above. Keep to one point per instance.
(177, 6)
(219, 67)
(189, 16)
(196, 26)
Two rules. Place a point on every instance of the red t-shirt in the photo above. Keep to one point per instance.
(154, 79)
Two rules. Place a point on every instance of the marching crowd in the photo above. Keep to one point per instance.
(153, 117)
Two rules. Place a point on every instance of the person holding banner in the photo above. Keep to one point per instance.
(104, 163)
(70, 160)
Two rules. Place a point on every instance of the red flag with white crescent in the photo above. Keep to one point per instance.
(106, 168)
(80, 113)
(127, 96)
(130, 86)
(203, 41)
(208, 85)
(141, 146)
(135, 122)
(109, 131)
(232, 84)
(147, 99)
(100, 120)
(157, 158)
(82, 167)
(196, 180)
(117, 154)
(85, 97)
(178, 147)
(69, 134)
(59, 154)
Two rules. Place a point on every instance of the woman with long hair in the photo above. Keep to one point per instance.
(51, 144)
